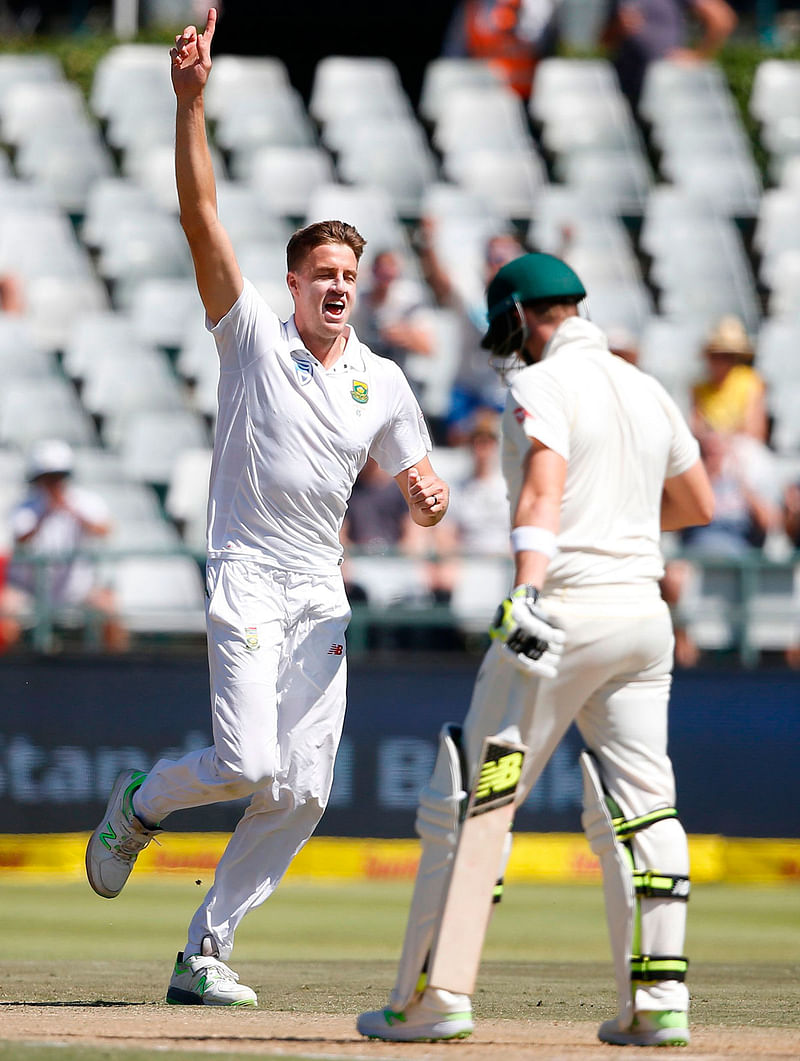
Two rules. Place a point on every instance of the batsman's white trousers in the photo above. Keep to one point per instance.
(277, 664)
(614, 682)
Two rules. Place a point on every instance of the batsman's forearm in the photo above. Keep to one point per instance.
(194, 171)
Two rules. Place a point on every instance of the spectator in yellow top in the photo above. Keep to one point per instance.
(731, 397)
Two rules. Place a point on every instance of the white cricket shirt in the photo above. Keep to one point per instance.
(292, 436)
(622, 436)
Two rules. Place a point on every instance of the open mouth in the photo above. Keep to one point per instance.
(334, 307)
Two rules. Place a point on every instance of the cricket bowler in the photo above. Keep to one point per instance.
(302, 405)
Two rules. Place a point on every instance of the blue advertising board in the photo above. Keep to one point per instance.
(68, 726)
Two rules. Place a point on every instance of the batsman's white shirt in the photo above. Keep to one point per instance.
(620, 433)
(292, 436)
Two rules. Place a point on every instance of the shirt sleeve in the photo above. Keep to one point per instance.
(23, 519)
(405, 438)
(684, 450)
(90, 506)
(541, 408)
(247, 329)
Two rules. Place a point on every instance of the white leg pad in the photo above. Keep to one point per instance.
(618, 888)
(438, 824)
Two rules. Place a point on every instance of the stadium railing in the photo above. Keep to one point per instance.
(737, 610)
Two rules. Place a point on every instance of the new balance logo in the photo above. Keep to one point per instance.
(107, 836)
(336, 650)
(499, 775)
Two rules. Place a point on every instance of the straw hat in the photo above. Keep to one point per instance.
(729, 336)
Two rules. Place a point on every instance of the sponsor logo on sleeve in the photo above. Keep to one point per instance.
(304, 369)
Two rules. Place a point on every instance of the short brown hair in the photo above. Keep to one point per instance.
(306, 239)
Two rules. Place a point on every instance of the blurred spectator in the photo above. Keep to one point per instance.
(623, 343)
(479, 513)
(12, 299)
(377, 515)
(389, 315)
(377, 521)
(791, 513)
(9, 626)
(745, 513)
(791, 526)
(732, 395)
(640, 31)
(476, 384)
(57, 519)
(512, 34)
(479, 520)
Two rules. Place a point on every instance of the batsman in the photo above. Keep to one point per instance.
(598, 461)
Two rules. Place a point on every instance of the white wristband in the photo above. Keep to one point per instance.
(533, 539)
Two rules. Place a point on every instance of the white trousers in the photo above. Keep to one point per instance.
(277, 665)
(613, 681)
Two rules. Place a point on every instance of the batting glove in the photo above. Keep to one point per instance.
(526, 631)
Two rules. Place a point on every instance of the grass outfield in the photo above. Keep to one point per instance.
(332, 948)
(84, 977)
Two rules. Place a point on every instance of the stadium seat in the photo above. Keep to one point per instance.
(29, 107)
(159, 594)
(35, 408)
(247, 216)
(446, 75)
(557, 77)
(340, 78)
(124, 71)
(186, 499)
(287, 176)
(54, 302)
(482, 582)
(370, 209)
(140, 247)
(773, 608)
(151, 440)
(393, 155)
(161, 310)
(275, 120)
(238, 78)
(92, 335)
(618, 181)
(472, 119)
(117, 385)
(509, 180)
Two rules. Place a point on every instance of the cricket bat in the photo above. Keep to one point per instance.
(456, 952)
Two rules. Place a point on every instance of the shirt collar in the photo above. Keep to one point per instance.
(351, 360)
(575, 330)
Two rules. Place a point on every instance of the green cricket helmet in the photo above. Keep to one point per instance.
(531, 278)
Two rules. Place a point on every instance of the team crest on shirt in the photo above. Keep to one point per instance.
(251, 637)
(520, 414)
(304, 369)
(360, 392)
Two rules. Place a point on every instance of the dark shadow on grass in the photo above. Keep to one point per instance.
(97, 1004)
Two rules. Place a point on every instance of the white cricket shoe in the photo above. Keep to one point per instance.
(438, 1015)
(116, 842)
(204, 980)
(649, 1028)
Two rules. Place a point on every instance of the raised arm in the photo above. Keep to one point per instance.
(219, 280)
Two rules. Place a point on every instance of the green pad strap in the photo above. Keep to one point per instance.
(654, 885)
(648, 967)
(626, 828)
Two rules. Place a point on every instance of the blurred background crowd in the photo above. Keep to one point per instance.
(654, 144)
